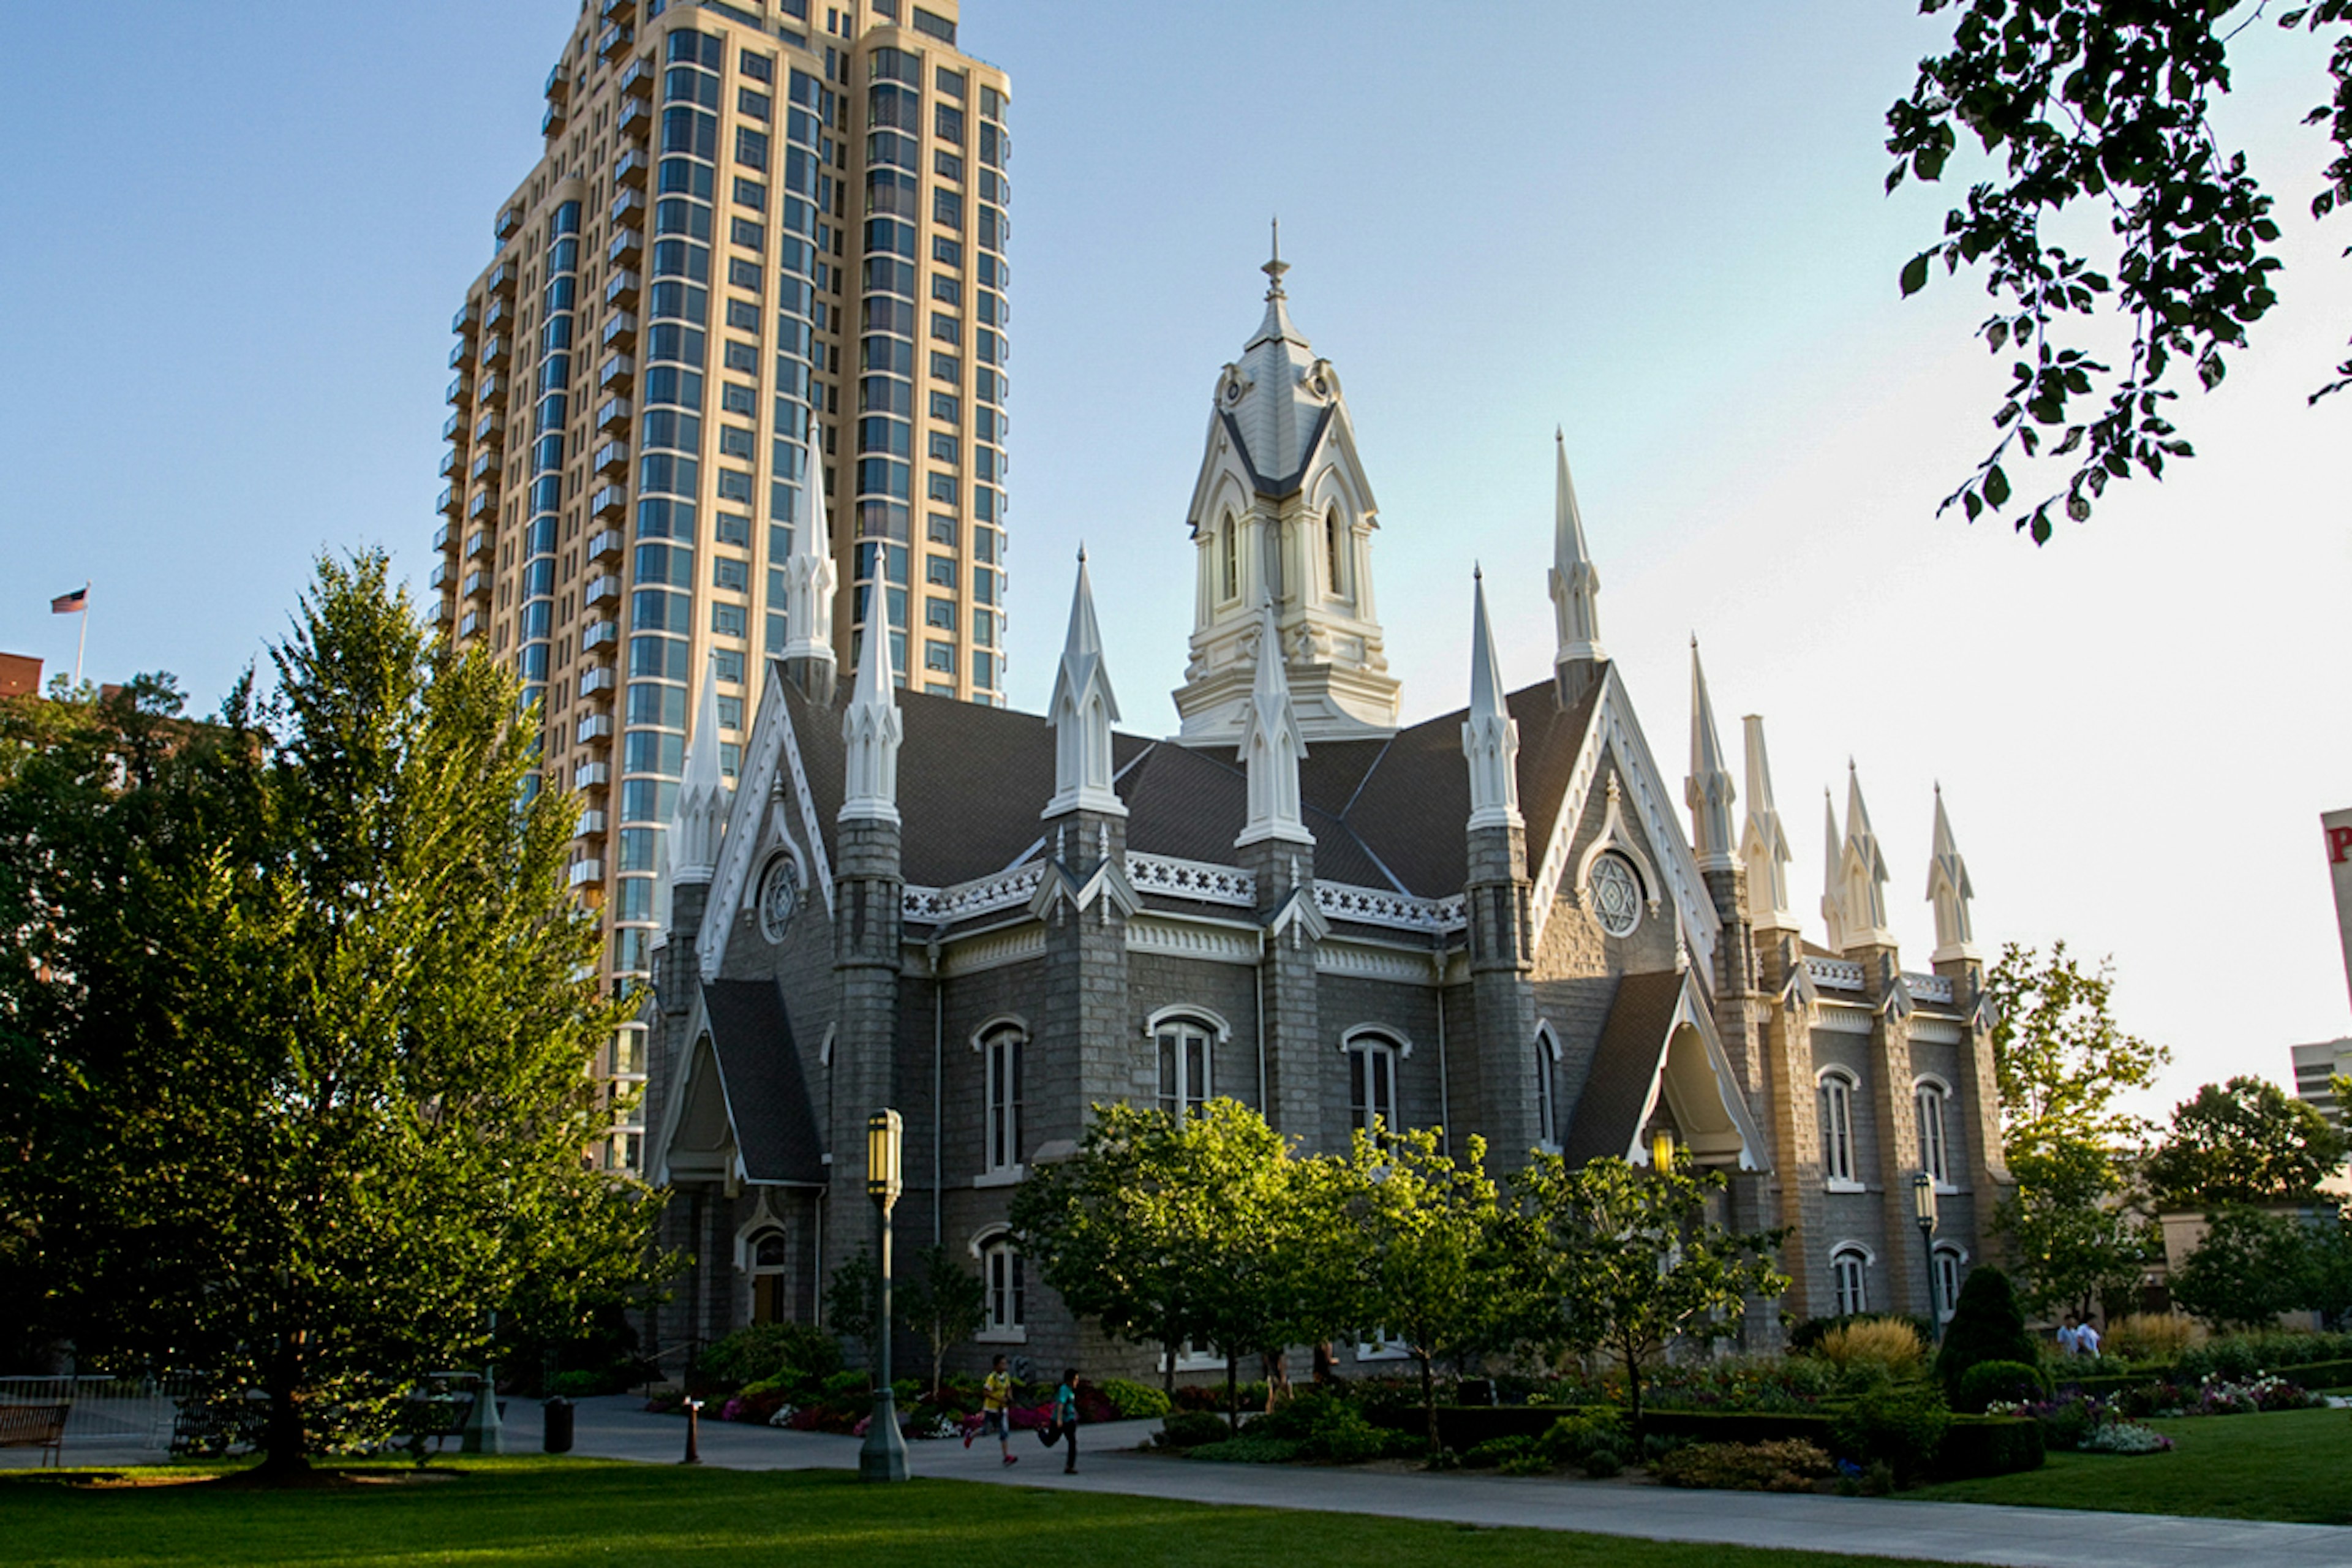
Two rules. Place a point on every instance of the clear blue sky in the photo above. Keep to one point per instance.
(237, 236)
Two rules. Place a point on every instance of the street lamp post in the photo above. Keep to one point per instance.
(1923, 1210)
(484, 1433)
(884, 1456)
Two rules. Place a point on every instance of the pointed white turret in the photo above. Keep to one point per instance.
(1271, 746)
(810, 576)
(872, 729)
(1575, 582)
(1864, 873)
(1949, 890)
(701, 816)
(1764, 845)
(1833, 874)
(1490, 736)
(1708, 789)
(1083, 710)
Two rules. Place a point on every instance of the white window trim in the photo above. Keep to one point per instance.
(992, 1174)
(1548, 1060)
(1208, 1023)
(1377, 1036)
(1184, 1013)
(1948, 1302)
(1944, 1182)
(983, 1245)
(1861, 1252)
(1829, 1180)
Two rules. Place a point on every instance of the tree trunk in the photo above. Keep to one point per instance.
(281, 1436)
(1428, 1397)
(1233, 1391)
(1634, 1393)
(1277, 1377)
(1167, 1373)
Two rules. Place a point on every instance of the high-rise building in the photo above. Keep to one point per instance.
(765, 238)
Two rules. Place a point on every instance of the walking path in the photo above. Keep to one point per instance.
(618, 1428)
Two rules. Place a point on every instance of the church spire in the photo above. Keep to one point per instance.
(1708, 789)
(1833, 874)
(1271, 746)
(871, 729)
(809, 578)
(1490, 736)
(1864, 873)
(701, 814)
(1949, 890)
(1082, 712)
(1575, 582)
(1765, 844)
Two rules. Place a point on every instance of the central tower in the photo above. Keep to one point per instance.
(1282, 516)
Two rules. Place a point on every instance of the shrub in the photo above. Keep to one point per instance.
(1601, 1464)
(1900, 1427)
(1807, 1336)
(2125, 1438)
(1987, 1325)
(1192, 1428)
(769, 1349)
(1746, 1466)
(2150, 1336)
(2242, 1356)
(1497, 1452)
(1978, 1445)
(1248, 1449)
(580, 1384)
(1585, 1437)
(1133, 1401)
(2008, 1382)
(1327, 1426)
(1888, 1342)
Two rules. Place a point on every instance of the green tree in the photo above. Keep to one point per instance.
(1987, 1325)
(2073, 1227)
(2250, 1268)
(2064, 1065)
(1432, 1266)
(1629, 1261)
(852, 1297)
(944, 1305)
(2244, 1142)
(348, 1115)
(2104, 104)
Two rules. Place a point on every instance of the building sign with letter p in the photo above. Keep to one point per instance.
(2336, 826)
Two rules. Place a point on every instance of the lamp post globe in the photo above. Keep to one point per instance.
(884, 1456)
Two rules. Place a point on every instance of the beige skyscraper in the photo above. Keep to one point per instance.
(760, 231)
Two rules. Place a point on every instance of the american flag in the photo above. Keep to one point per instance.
(70, 604)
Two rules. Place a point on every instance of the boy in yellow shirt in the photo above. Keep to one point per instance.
(996, 1410)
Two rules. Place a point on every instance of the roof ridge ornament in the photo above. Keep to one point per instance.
(1275, 266)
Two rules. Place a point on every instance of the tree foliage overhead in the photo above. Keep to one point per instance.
(2244, 1142)
(336, 1104)
(2103, 103)
(2062, 1059)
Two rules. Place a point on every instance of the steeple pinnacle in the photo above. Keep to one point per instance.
(1708, 789)
(871, 729)
(1271, 746)
(1949, 890)
(1863, 872)
(1276, 266)
(1490, 736)
(809, 578)
(1833, 874)
(1575, 582)
(1082, 711)
(1764, 845)
(702, 814)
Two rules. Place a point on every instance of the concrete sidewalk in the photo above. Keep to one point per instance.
(618, 1428)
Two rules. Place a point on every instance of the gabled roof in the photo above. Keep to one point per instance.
(767, 1094)
(1639, 1062)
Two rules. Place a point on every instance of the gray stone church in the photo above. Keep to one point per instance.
(1496, 921)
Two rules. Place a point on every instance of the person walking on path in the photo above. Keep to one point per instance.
(996, 1410)
(1065, 1419)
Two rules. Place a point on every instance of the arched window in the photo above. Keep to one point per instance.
(1927, 1100)
(1229, 553)
(1547, 1106)
(1334, 553)
(1951, 1264)
(768, 1264)
(1372, 1081)
(1001, 1049)
(1187, 1064)
(1008, 1291)
(1840, 1165)
(1848, 1276)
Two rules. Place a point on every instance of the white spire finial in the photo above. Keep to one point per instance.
(1081, 713)
(1708, 789)
(1764, 844)
(871, 729)
(1575, 582)
(1271, 746)
(1863, 871)
(1276, 265)
(810, 576)
(1833, 874)
(1949, 890)
(701, 814)
(1490, 736)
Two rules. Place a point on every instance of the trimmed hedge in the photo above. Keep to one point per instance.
(1463, 1427)
(1978, 1445)
(2312, 1375)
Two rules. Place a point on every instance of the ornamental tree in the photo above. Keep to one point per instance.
(2244, 1142)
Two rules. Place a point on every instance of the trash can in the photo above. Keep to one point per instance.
(558, 1425)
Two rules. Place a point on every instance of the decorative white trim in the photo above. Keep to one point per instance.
(1010, 1176)
(1842, 1017)
(1217, 941)
(1376, 1033)
(1930, 1031)
(1835, 974)
(1930, 987)
(1402, 911)
(1369, 961)
(824, 1048)
(1006, 889)
(1548, 1038)
(1692, 1011)
(1931, 1080)
(1188, 1013)
(1861, 1248)
(991, 1025)
(994, 950)
(1196, 879)
(754, 789)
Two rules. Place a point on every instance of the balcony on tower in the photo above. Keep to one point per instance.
(600, 635)
(591, 776)
(613, 413)
(637, 116)
(597, 681)
(450, 501)
(617, 369)
(453, 427)
(469, 622)
(605, 544)
(621, 288)
(631, 167)
(479, 545)
(552, 121)
(628, 207)
(442, 536)
(490, 426)
(620, 330)
(499, 312)
(494, 350)
(614, 41)
(494, 388)
(559, 84)
(611, 11)
(441, 573)
(637, 82)
(509, 222)
(450, 462)
(461, 393)
(468, 316)
(486, 462)
(627, 244)
(592, 826)
(501, 279)
(478, 584)
(609, 500)
(612, 457)
(601, 589)
(583, 872)
(459, 354)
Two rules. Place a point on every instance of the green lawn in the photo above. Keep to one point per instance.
(2292, 1465)
(549, 1512)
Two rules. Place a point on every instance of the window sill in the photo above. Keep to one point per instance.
(1835, 1186)
(1012, 1175)
(1018, 1335)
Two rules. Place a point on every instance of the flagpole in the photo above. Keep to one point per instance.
(81, 645)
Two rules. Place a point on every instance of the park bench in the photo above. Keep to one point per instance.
(39, 1427)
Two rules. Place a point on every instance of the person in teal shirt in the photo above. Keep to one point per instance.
(1065, 1417)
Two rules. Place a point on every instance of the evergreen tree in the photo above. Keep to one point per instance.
(1987, 1325)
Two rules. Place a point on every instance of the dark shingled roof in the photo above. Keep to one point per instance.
(1625, 1066)
(775, 1124)
(1384, 813)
